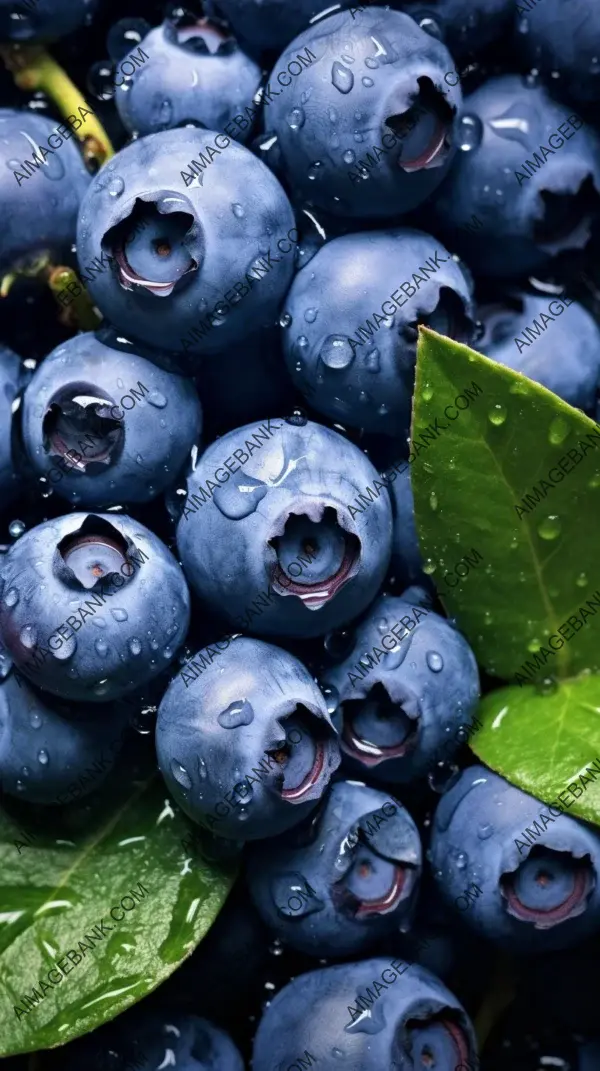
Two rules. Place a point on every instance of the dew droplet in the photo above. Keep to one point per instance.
(157, 399)
(461, 861)
(238, 210)
(181, 775)
(594, 482)
(115, 187)
(296, 118)
(349, 156)
(119, 614)
(28, 636)
(497, 415)
(581, 580)
(43, 757)
(434, 661)
(485, 830)
(429, 566)
(372, 361)
(427, 392)
(336, 352)
(35, 719)
(559, 429)
(331, 697)
(135, 646)
(310, 315)
(433, 501)
(314, 170)
(101, 647)
(367, 82)
(236, 714)
(341, 77)
(550, 528)
(470, 132)
(12, 597)
(285, 320)
(16, 527)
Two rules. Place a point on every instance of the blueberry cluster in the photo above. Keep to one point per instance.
(209, 445)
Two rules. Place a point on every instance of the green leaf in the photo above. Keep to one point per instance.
(543, 743)
(534, 569)
(56, 889)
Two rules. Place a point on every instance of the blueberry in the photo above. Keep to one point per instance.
(200, 265)
(522, 206)
(92, 606)
(40, 187)
(409, 682)
(346, 878)
(539, 876)
(104, 427)
(273, 541)
(196, 72)
(371, 1015)
(366, 130)
(46, 754)
(43, 20)
(563, 38)
(349, 345)
(464, 25)
(145, 1039)
(256, 713)
(528, 333)
(12, 379)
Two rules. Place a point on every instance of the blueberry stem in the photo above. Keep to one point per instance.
(81, 312)
(34, 69)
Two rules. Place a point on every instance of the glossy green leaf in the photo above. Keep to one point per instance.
(544, 743)
(531, 571)
(57, 888)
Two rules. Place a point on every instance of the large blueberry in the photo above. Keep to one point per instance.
(104, 427)
(244, 740)
(203, 235)
(554, 341)
(268, 536)
(46, 755)
(345, 878)
(525, 187)
(92, 606)
(376, 1014)
(196, 72)
(350, 323)
(562, 40)
(409, 682)
(146, 1040)
(537, 868)
(42, 181)
(365, 131)
(43, 20)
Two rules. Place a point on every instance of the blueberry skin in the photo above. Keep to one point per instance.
(566, 38)
(199, 71)
(43, 20)
(247, 533)
(12, 378)
(369, 384)
(466, 26)
(70, 563)
(407, 560)
(430, 677)
(474, 839)
(56, 750)
(565, 357)
(226, 221)
(223, 717)
(398, 1026)
(316, 117)
(139, 450)
(39, 209)
(342, 911)
(521, 230)
(147, 1039)
(268, 25)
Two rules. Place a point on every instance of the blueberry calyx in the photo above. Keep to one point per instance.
(385, 719)
(77, 411)
(157, 246)
(92, 554)
(203, 36)
(332, 557)
(532, 892)
(424, 129)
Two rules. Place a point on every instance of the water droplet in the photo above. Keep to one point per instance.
(550, 528)
(349, 156)
(16, 528)
(433, 501)
(443, 776)
(559, 429)
(314, 169)
(296, 118)
(487, 618)
(331, 697)
(341, 77)
(35, 719)
(497, 415)
(485, 830)
(66, 650)
(427, 392)
(367, 82)
(238, 210)
(12, 597)
(310, 315)
(429, 566)
(547, 686)
(119, 614)
(28, 636)
(461, 861)
(236, 714)
(434, 661)
(336, 352)
(240, 496)
(297, 418)
(135, 646)
(101, 647)
(157, 399)
(115, 187)
(285, 320)
(43, 757)
(181, 775)
(582, 580)
(533, 646)
(469, 132)
(372, 361)
(594, 482)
